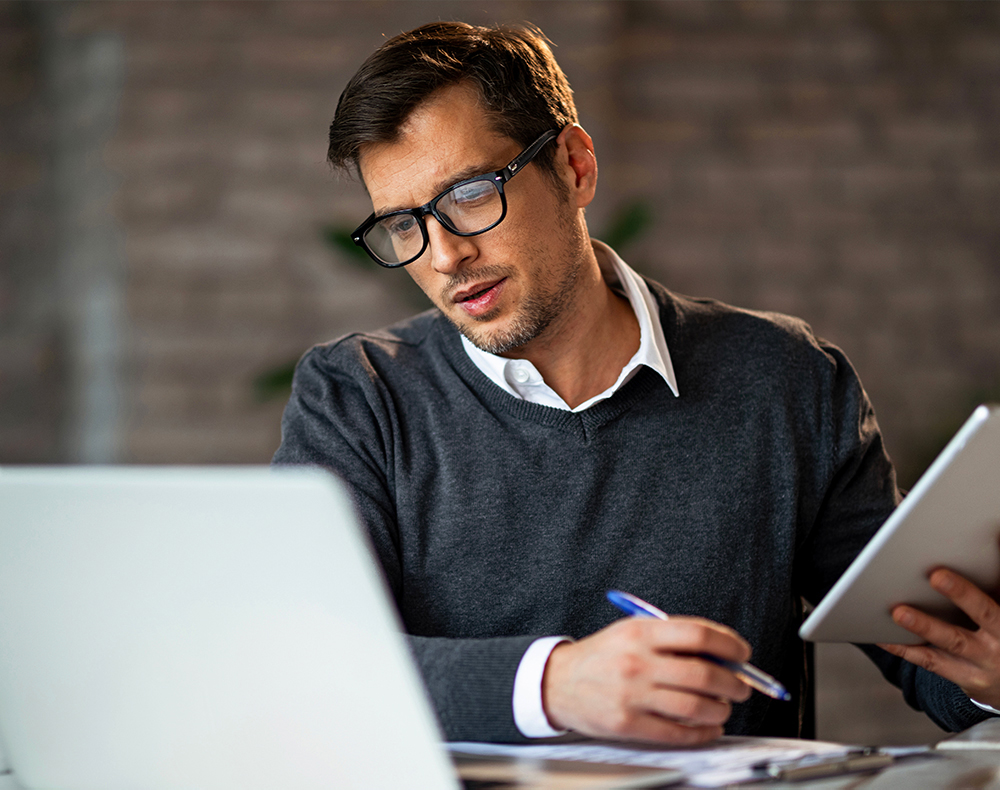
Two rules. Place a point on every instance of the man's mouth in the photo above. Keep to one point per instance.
(476, 295)
(479, 298)
(476, 292)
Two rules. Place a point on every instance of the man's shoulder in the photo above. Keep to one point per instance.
(399, 356)
(759, 346)
(699, 319)
(410, 338)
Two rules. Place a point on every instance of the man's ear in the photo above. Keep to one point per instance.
(578, 165)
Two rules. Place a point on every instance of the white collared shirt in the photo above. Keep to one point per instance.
(521, 379)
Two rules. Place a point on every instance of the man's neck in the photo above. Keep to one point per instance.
(582, 353)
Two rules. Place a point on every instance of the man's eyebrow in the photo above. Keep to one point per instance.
(450, 181)
(461, 175)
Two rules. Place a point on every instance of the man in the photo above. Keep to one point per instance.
(557, 427)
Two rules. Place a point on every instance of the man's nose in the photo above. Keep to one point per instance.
(448, 251)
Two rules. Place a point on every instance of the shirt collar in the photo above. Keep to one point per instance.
(520, 378)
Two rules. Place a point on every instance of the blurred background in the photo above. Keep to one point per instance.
(171, 239)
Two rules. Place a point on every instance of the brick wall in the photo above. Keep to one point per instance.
(32, 371)
(835, 160)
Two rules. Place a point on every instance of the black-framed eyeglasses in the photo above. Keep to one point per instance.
(468, 208)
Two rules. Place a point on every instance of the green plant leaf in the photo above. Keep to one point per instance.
(627, 224)
(339, 238)
(274, 383)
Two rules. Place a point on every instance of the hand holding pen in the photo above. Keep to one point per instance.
(642, 678)
(748, 673)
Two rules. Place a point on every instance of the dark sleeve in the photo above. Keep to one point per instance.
(471, 684)
(943, 702)
(861, 494)
(342, 418)
(854, 489)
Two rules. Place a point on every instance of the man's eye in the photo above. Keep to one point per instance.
(474, 192)
(401, 225)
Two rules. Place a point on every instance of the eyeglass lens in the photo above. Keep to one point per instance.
(470, 207)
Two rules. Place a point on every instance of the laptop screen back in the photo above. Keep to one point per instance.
(201, 628)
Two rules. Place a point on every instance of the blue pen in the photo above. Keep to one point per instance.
(748, 673)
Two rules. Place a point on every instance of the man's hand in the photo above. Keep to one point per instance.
(971, 659)
(639, 678)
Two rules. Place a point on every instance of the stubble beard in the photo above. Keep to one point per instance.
(535, 314)
(533, 317)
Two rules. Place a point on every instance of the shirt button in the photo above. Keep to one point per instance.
(521, 375)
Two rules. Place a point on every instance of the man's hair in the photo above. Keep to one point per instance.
(523, 91)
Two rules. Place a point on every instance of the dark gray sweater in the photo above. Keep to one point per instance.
(498, 521)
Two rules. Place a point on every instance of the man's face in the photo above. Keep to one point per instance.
(504, 288)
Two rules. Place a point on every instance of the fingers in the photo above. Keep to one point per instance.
(952, 652)
(641, 679)
(667, 654)
(694, 635)
(953, 640)
(931, 658)
(971, 659)
(974, 646)
(688, 708)
(698, 676)
(983, 610)
(656, 729)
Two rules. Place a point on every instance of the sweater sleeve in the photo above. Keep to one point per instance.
(944, 703)
(338, 417)
(853, 486)
(860, 494)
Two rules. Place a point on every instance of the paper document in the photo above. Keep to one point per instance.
(725, 761)
(982, 736)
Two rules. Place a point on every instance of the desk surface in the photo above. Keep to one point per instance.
(972, 761)
(966, 768)
(937, 771)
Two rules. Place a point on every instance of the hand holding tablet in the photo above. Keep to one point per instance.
(951, 519)
(921, 589)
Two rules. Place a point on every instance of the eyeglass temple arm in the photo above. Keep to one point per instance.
(528, 154)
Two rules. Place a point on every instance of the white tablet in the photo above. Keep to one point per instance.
(950, 519)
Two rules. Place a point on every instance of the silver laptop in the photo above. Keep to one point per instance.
(201, 629)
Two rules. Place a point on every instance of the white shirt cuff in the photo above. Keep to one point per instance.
(985, 707)
(529, 713)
